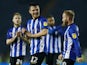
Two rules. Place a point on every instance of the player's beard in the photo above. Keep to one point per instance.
(65, 23)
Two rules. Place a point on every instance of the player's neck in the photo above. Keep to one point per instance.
(16, 26)
(70, 22)
(34, 18)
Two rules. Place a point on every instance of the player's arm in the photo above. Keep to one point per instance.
(76, 43)
(41, 33)
(60, 29)
(10, 40)
(78, 49)
(25, 39)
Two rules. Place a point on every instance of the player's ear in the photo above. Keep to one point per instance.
(29, 11)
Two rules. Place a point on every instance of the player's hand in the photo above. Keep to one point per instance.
(24, 30)
(79, 59)
(60, 57)
(18, 34)
(29, 35)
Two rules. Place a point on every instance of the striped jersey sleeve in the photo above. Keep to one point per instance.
(74, 33)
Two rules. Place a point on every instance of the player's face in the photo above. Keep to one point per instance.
(65, 18)
(17, 19)
(51, 21)
(35, 11)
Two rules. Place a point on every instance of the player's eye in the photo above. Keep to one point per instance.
(33, 10)
(36, 9)
(15, 18)
(19, 18)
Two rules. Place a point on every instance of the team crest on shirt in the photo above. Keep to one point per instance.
(74, 36)
(45, 23)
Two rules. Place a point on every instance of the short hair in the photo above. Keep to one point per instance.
(33, 4)
(16, 13)
(49, 16)
(70, 13)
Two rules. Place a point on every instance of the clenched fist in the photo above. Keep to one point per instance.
(18, 34)
(79, 59)
(60, 57)
(24, 30)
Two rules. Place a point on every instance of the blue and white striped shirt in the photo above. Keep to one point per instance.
(37, 45)
(18, 47)
(53, 41)
(71, 43)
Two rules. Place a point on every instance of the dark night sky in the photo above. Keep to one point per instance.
(54, 7)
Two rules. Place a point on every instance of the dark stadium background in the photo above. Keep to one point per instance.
(53, 7)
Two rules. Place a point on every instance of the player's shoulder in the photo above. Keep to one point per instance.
(74, 27)
(10, 29)
(41, 18)
(74, 31)
(29, 21)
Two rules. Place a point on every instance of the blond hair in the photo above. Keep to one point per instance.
(70, 13)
